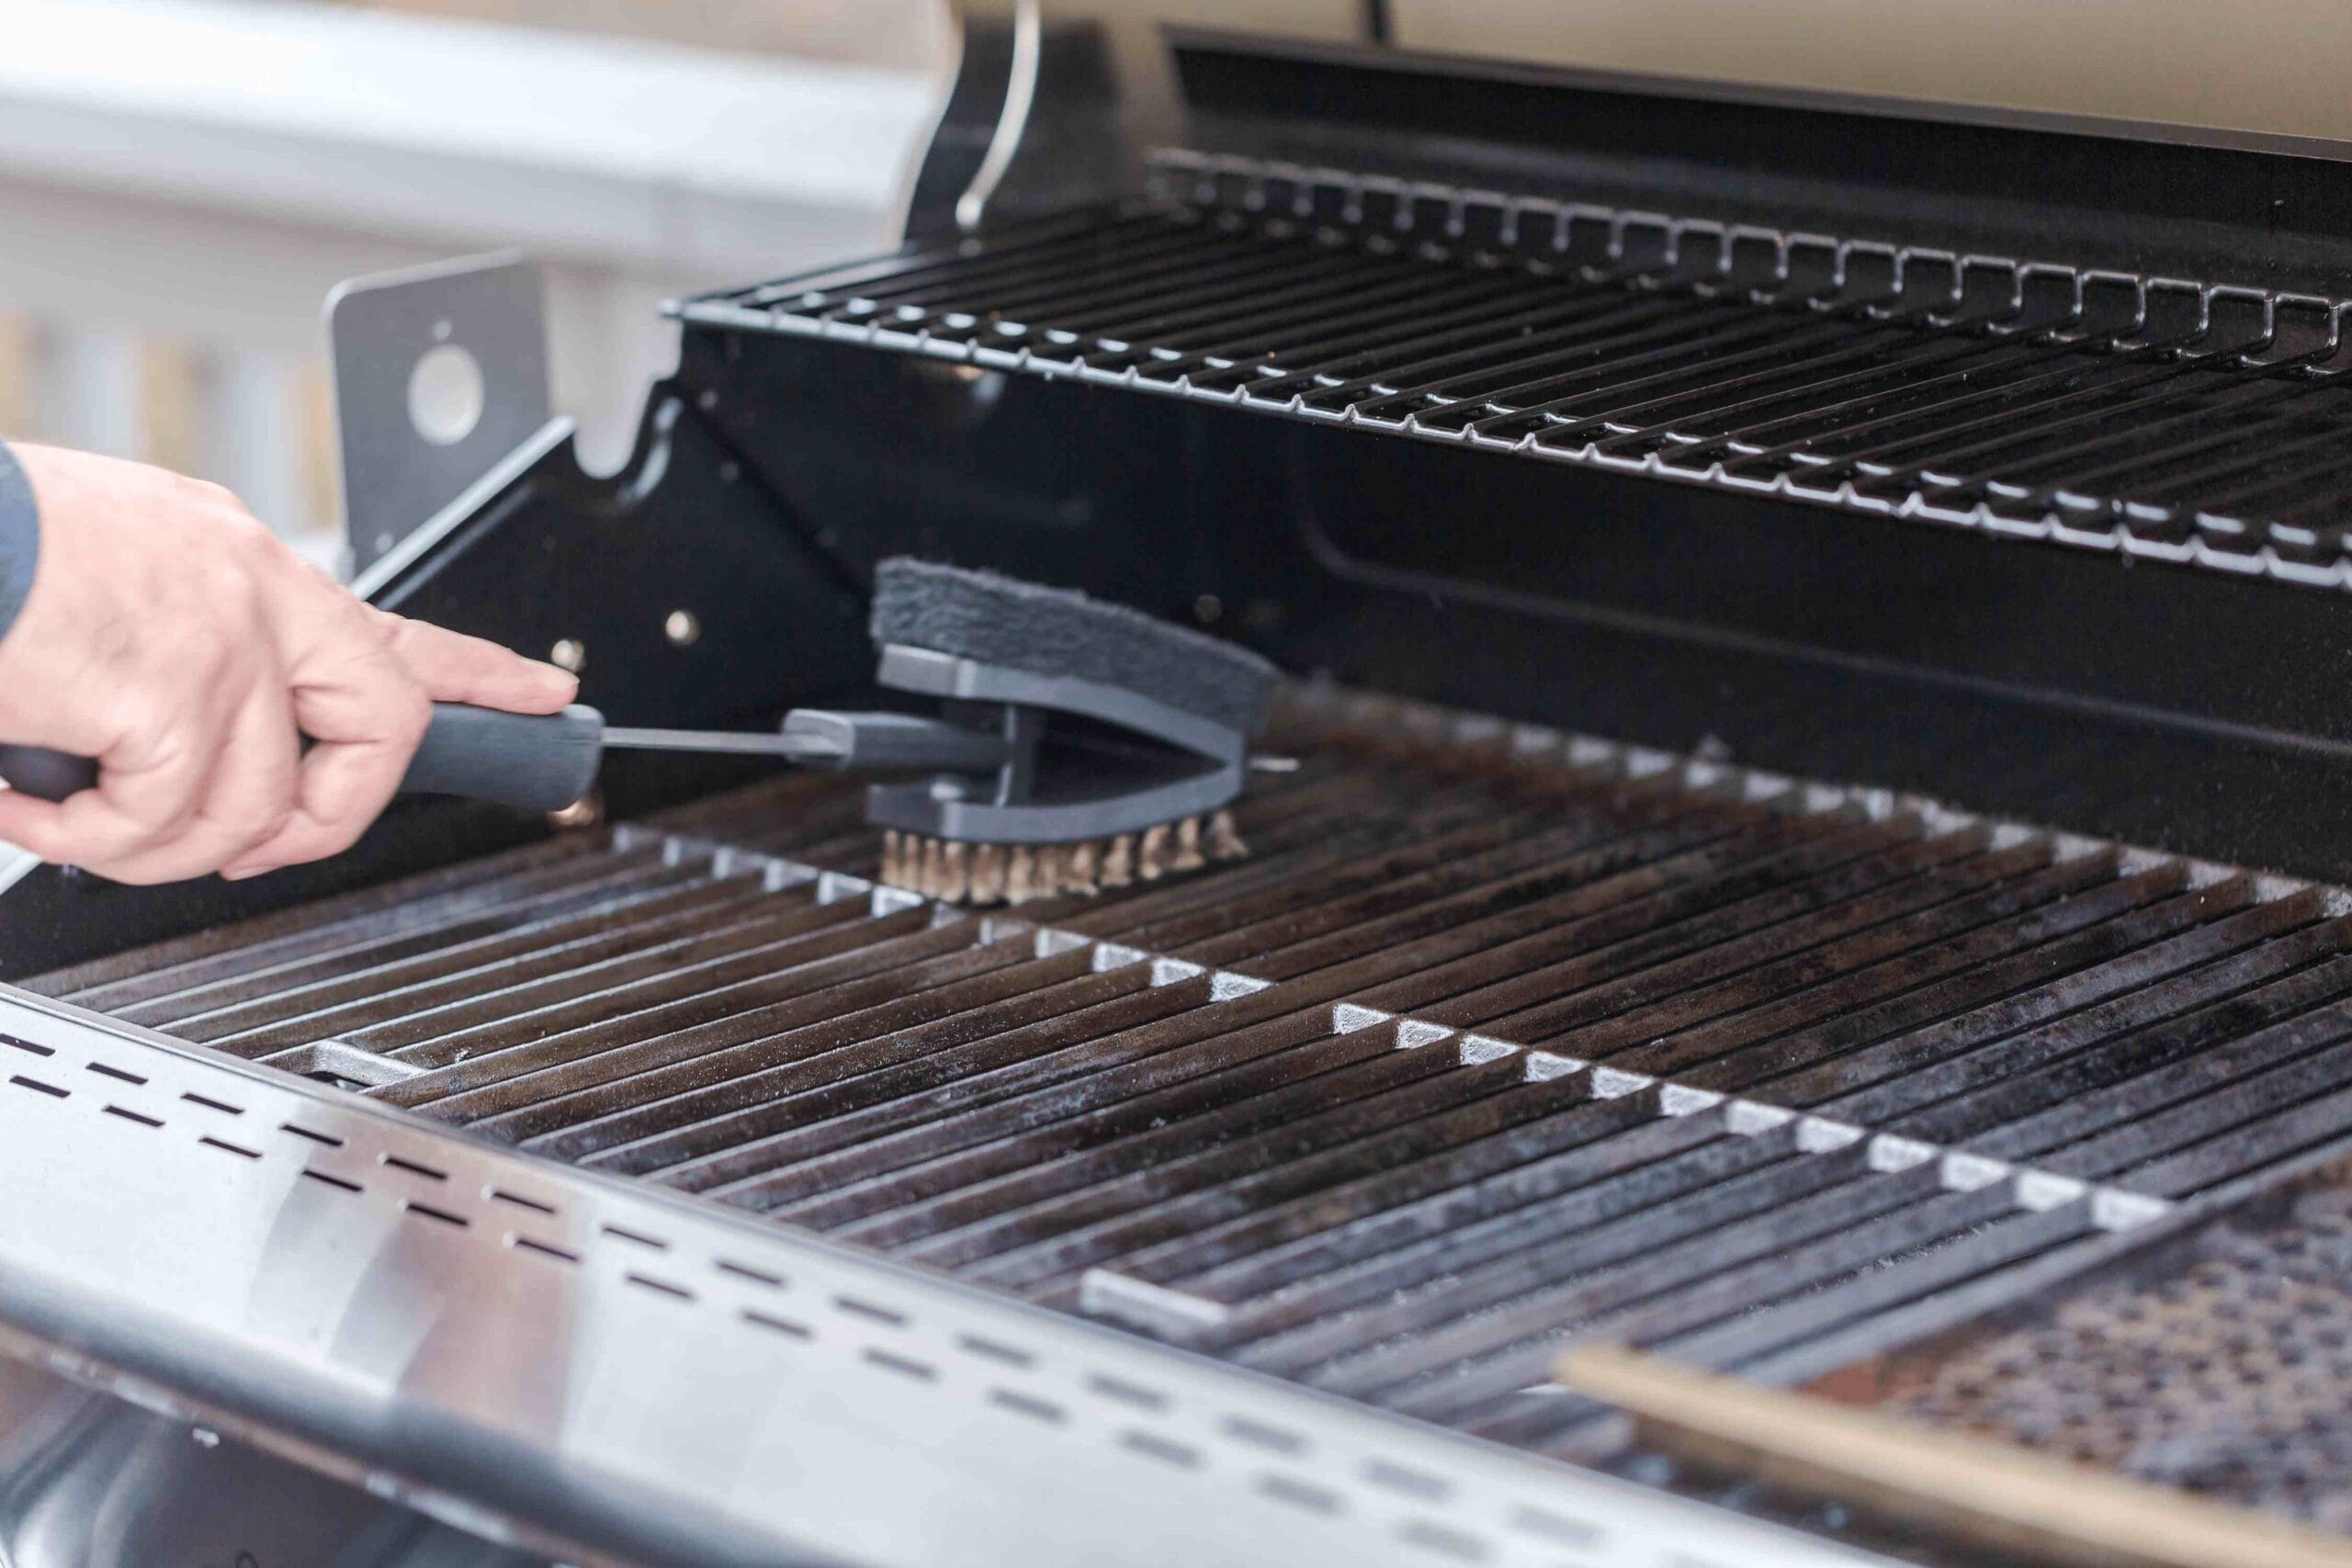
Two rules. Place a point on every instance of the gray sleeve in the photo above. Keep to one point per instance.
(19, 538)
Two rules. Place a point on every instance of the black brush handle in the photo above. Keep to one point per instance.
(539, 762)
(45, 775)
(536, 761)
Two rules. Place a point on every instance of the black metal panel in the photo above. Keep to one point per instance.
(605, 562)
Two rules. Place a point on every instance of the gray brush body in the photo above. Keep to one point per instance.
(1058, 631)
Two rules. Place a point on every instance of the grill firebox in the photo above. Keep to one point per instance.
(1500, 1038)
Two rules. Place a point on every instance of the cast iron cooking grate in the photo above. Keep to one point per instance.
(1500, 1038)
(2190, 422)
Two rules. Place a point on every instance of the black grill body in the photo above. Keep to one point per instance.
(1998, 464)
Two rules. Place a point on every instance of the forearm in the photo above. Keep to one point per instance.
(19, 538)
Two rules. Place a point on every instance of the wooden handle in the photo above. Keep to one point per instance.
(1982, 1492)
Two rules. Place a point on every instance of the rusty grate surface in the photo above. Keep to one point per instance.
(1500, 1038)
(2220, 1364)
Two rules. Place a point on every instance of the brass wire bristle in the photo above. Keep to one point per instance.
(1020, 874)
(988, 874)
(1151, 855)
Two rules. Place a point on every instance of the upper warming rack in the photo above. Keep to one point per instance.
(2195, 421)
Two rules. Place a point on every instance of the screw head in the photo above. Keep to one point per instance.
(682, 627)
(569, 654)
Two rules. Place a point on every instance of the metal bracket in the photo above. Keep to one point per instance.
(440, 374)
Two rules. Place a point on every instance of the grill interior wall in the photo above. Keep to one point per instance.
(1499, 1039)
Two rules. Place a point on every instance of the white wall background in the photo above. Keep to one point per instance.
(184, 180)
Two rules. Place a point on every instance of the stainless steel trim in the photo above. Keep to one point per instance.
(528, 1348)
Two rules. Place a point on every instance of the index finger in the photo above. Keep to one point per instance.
(454, 668)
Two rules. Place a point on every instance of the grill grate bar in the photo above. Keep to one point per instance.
(1555, 1422)
(1370, 947)
(1290, 1073)
(953, 992)
(708, 1061)
(1536, 1276)
(2059, 1079)
(2028, 914)
(559, 1062)
(1314, 1217)
(380, 981)
(2291, 1064)
(1907, 1100)
(1841, 1252)
(1887, 1067)
(1166, 1171)
(333, 946)
(418, 1012)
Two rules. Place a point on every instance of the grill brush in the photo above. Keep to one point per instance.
(1079, 745)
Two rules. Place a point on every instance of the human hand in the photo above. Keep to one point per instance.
(174, 639)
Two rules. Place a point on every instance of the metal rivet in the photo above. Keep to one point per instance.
(1208, 608)
(728, 472)
(706, 400)
(569, 654)
(682, 627)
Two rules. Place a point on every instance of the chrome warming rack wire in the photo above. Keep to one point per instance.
(2196, 420)
(1500, 1039)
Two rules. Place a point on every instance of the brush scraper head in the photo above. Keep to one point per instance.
(1126, 737)
(1062, 633)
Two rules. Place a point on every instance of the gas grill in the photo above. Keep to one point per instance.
(1620, 466)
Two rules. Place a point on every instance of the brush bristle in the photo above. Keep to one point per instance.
(1020, 873)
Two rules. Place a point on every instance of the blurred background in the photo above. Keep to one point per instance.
(184, 180)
